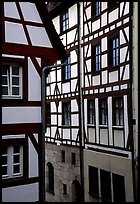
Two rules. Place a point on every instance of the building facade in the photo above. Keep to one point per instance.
(27, 46)
(91, 140)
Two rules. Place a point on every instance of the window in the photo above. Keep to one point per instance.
(113, 59)
(95, 8)
(50, 178)
(12, 161)
(93, 181)
(118, 188)
(66, 70)
(63, 155)
(96, 58)
(64, 189)
(64, 21)
(91, 111)
(48, 114)
(73, 158)
(103, 112)
(118, 114)
(66, 108)
(105, 178)
(11, 80)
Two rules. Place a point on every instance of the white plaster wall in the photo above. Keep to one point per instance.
(14, 33)
(72, 15)
(74, 120)
(74, 106)
(66, 133)
(113, 15)
(10, 10)
(56, 22)
(33, 160)
(39, 36)
(34, 83)
(17, 115)
(24, 193)
(74, 134)
(30, 12)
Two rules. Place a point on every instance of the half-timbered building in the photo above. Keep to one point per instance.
(29, 42)
(89, 131)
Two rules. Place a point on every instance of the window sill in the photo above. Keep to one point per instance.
(103, 126)
(117, 127)
(91, 125)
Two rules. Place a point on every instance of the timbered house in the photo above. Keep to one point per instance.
(29, 43)
(89, 134)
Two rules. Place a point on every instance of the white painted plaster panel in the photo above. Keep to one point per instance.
(30, 12)
(60, 107)
(126, 73)
(123, 54)
(126, 10)
(59, 75)
(47, 132)
(14, 115)
(95, 25)
(10, 10)
(73, 15)
(66, 134)
(39, 61)
(104, 44)
(126, 119)
(104, 19)
(87, 28)
(34, 83)
(96, 80)
(104, 77)
(23, 193)
(73, 56)
(53, 131)
(118, 138)
(53, 107)
(59, 120)
(74, 71)
(52, 89)
(14, 33)
(115, 88)
(127, 31)
(39, 36)
(103, 5)
(88, 65)
(104, 60)
(53, 119)
(63, 39)
(74, 106)
(86, 81)
(108, 89)
(53, 78)
(91, 134)
(122, 39)
(113, 15)
(113, 76)
(74, 134)
(74, 120)
(73, 84)
(66, 87)
(121, 8)
(56, 22)
(110, 120)
(104, 136)
(33, 160)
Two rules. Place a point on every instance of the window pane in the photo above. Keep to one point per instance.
(4, 170)
(4, 150)
(118, 188)
(4, 90)
(4, 160)
(93, 181)
(105, 185)
(16, 149)
(15, 91)
(16, 169)
(15, 80)
(16, 158)
(15, 71)
(4, 80)
(4, 69)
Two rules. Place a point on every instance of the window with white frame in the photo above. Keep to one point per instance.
(11, 80)
(95, 8)
(66, 70)
(91, 111)
(96, 58)
(66, 119)
(12, 161)
(64, 21)
(103, 116)
(118, 115)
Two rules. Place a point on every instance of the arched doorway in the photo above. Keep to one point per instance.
(76, 191)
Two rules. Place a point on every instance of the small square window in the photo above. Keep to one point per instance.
(73, 158)
(63, 155)
(64, 189)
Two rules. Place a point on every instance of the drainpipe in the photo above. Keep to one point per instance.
(81, 129)
(42, 151)
(131, 96)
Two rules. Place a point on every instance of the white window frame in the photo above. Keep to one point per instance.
(9, 84)
(10, 162)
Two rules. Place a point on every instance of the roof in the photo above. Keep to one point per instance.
(29, 24)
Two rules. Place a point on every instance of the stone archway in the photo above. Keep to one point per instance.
(76, 191)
